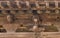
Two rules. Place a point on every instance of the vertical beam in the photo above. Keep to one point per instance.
(8, 3)
(1, 5)
(18, 4)
(27, 3)
(37, 5)
(47, 7)
(56, 4)
(47, 4)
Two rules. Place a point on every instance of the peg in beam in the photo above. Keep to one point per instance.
(10, 18)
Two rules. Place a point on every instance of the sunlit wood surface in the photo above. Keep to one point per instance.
(30, 35)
